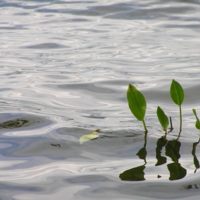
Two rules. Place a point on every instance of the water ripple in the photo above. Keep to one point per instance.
(65, 68)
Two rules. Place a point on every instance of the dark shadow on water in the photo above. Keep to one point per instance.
(195, 160)
(21, 121)
(160, 144)
(172, 150)
(176, 170)
(136, 173)
(14, 123)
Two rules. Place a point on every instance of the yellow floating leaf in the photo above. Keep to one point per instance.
(90, 136)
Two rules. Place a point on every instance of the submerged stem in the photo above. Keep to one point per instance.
(145, 128)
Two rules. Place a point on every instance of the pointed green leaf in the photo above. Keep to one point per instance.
(176, 92)
(88, 137)
(136, 102)
(163, 119)
(197, 119)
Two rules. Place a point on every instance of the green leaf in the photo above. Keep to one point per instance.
(136, 102)
(177, 93)
(163, 119)
(88, 137)
(197, 119)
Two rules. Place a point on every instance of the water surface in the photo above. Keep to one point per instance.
(65, 68)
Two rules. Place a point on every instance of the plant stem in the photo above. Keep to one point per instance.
(171, 126)
(145, 128)
(180, 112)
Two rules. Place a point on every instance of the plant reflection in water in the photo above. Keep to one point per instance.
(176, 170)
(172, 150)
(137, 173)
(195, 160)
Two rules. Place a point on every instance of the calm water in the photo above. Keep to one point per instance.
(65, 67)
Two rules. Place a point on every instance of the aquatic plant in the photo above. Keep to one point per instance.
(197, 124)
(177, 95)
(91, 136)
(137, 104)
(163, 119)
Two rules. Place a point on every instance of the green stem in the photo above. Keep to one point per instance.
(180, 112)
(145, 128)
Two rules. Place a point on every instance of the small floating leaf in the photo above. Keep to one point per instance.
(177, 93)
(197, 119)
(136, 102)
(88, 137)
(163, 119)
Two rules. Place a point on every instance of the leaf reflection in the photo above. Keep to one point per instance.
(175, 169)
(160, 144)
(136, 173)
(142, 153)
(195, 160)
(172, 150)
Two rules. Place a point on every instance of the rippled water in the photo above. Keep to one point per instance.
(65, 67)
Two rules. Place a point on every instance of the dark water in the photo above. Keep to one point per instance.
(65, 68)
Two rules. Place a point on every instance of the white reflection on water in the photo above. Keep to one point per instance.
(65, 67)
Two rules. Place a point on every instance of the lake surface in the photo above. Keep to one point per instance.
(65, 68)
